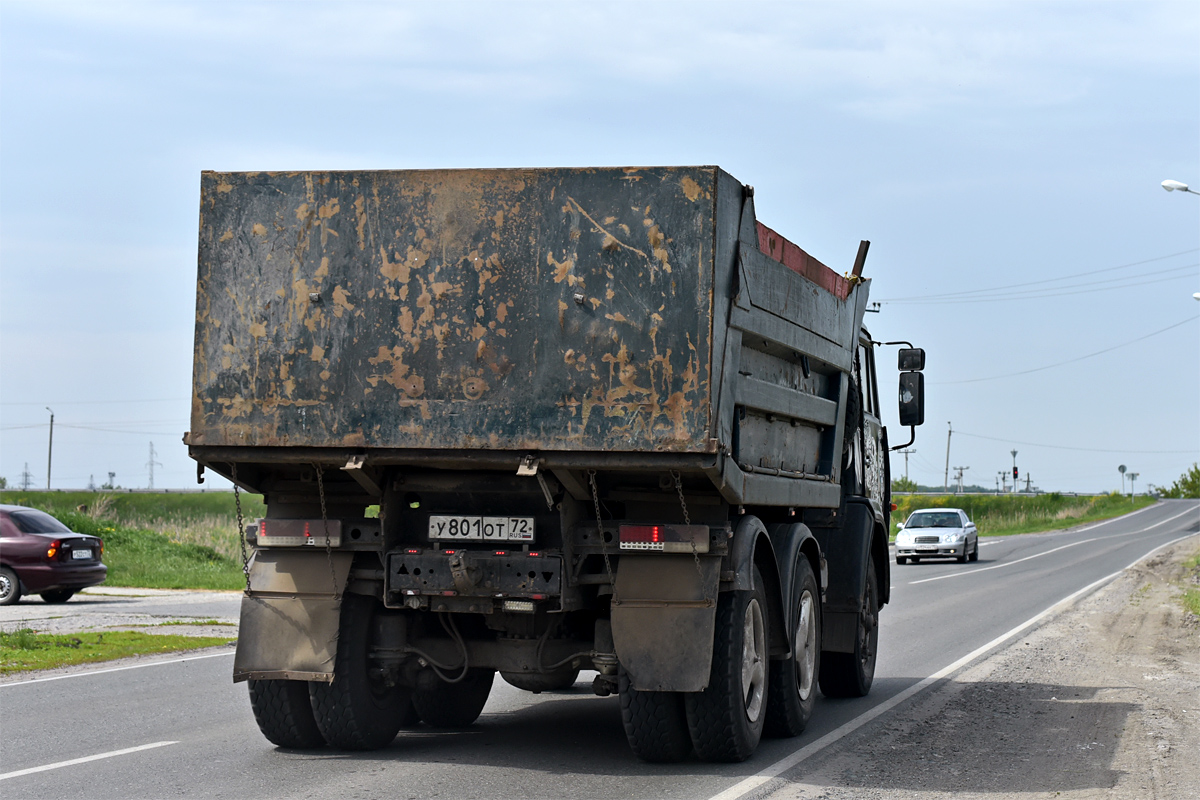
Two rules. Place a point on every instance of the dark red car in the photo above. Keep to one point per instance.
(40, 555)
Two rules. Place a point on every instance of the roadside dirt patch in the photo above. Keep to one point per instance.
(1102, 701)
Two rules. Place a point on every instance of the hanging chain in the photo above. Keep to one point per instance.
(600, 530)
(687, 520)
(325, 525)
(237, 502)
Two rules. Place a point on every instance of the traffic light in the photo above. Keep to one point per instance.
(1014, 473)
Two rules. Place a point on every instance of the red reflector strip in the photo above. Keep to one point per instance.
(412, 550)
(537, 597)
(501, 553)
(535, 555)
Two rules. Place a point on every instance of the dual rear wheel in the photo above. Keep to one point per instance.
(746, 694)
(359, 710)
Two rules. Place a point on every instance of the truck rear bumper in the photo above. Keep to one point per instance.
(472, 573)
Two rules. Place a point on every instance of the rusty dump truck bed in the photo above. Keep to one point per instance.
(574, 313)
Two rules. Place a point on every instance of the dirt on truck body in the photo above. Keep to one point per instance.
(610, 420)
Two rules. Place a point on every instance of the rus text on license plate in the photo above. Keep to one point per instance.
(81, 554)
(481, 529)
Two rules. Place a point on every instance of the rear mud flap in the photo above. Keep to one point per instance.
(289, 619)
(663, 618)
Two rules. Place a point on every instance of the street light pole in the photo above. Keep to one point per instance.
(50, 449)
(1176, 186)
(1014, 452)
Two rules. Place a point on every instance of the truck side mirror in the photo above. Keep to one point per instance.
(912, 397)
(911, 359)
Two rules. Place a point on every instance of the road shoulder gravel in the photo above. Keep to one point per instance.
(1102, 700)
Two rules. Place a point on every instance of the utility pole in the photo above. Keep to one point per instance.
(26, 478)
(1028, 483)
(1003, 480)
(906, 451)
(946, 477)
(50, 450)
(958, 476)
(151, 464)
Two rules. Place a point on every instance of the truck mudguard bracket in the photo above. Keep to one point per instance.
(289, 616)
(663, 619)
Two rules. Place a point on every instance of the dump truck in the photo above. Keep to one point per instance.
(538, 422)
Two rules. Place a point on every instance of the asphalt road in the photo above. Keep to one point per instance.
(199, 738)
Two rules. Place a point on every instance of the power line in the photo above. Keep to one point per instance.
(1069, 360)
(1027, 284)
(1129, 281)
(1067, 447)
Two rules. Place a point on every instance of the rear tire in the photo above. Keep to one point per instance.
(455, 705)
(58, 595)
(792, 691)
(284, 714)
(10, 587)
(357, 711)
(655, 723)
(726, 719)
(851, 674)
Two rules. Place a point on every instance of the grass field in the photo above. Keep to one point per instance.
(1001, 515)
(25, 649)
(156, 540)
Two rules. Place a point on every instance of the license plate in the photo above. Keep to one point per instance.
(925, 548)
(481, 529)
(80, 555)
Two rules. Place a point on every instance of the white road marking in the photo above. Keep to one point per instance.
(1055, 550)
(84, 760)
(999, 566)
(757, 780)
(114, 669)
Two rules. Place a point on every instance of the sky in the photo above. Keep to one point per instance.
(1004, 160)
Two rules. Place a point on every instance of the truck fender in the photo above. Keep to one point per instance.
(846, 550)
(290, 615)
(792, 542)
(752, 547)
(664, 610)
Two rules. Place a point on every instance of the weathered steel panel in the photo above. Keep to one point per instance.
(566, 309)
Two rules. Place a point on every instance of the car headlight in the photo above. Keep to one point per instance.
(952, 538)
(904, 538)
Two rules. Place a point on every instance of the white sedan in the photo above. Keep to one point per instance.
(937, 533)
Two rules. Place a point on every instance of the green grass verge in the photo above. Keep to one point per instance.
(157, 541)
(1191, 594)
(25, 649)
(1002, 515)
(208, 519)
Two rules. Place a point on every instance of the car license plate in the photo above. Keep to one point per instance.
(481, 529)
(80, 555)
(927, 548)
